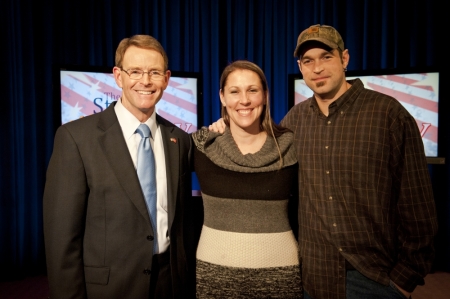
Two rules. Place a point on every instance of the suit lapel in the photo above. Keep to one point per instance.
(116, 151)
(172, 158)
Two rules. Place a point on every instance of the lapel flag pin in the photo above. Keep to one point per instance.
(173, 140)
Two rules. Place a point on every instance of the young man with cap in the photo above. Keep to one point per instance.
(366, 213)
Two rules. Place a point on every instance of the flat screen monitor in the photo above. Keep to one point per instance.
(416, 90)
(80, 91)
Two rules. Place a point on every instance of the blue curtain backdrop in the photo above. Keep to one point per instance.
(199, 36)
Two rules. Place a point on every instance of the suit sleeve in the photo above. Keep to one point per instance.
(64, 205)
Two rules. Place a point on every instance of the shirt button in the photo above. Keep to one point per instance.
(327, 172)
(326, 147)
(342, 112)
(150, 238)
(146, 272)
(334, 224)
(340, 249)
(329, 122)
(330, 198)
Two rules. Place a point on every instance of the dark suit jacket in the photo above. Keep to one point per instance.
(98, 235)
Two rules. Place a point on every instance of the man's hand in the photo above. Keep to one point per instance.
(405, 293)
(218, 126)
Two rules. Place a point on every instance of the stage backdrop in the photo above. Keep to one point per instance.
(199, 36)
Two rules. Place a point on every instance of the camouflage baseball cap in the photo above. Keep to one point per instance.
(322, 33)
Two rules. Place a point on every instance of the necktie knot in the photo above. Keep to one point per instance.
(144, 131)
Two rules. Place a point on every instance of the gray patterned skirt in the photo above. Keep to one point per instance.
(215, 281)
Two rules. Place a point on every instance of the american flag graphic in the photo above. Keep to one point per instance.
(417, 92)
(85, 93)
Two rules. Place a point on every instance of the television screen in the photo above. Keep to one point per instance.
(417, 91)
(83, 90)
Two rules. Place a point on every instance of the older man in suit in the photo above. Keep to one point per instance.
(99, 237)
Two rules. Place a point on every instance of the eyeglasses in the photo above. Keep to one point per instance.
(136, 74)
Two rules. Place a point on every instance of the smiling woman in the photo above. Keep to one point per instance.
(247, 247)
(244, 100)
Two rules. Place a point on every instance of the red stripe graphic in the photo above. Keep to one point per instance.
(407, 81)
(407, 98)
(188, 127)
(72, 98)
(180, 103)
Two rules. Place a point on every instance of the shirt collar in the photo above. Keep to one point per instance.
(129, 123)
(346, 99)
(349, 96)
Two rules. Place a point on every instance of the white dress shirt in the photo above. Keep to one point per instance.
(129, 123)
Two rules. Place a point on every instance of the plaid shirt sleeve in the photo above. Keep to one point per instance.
(417, 223)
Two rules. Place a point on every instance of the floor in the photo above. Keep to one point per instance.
(437, 286)
(28, 288)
